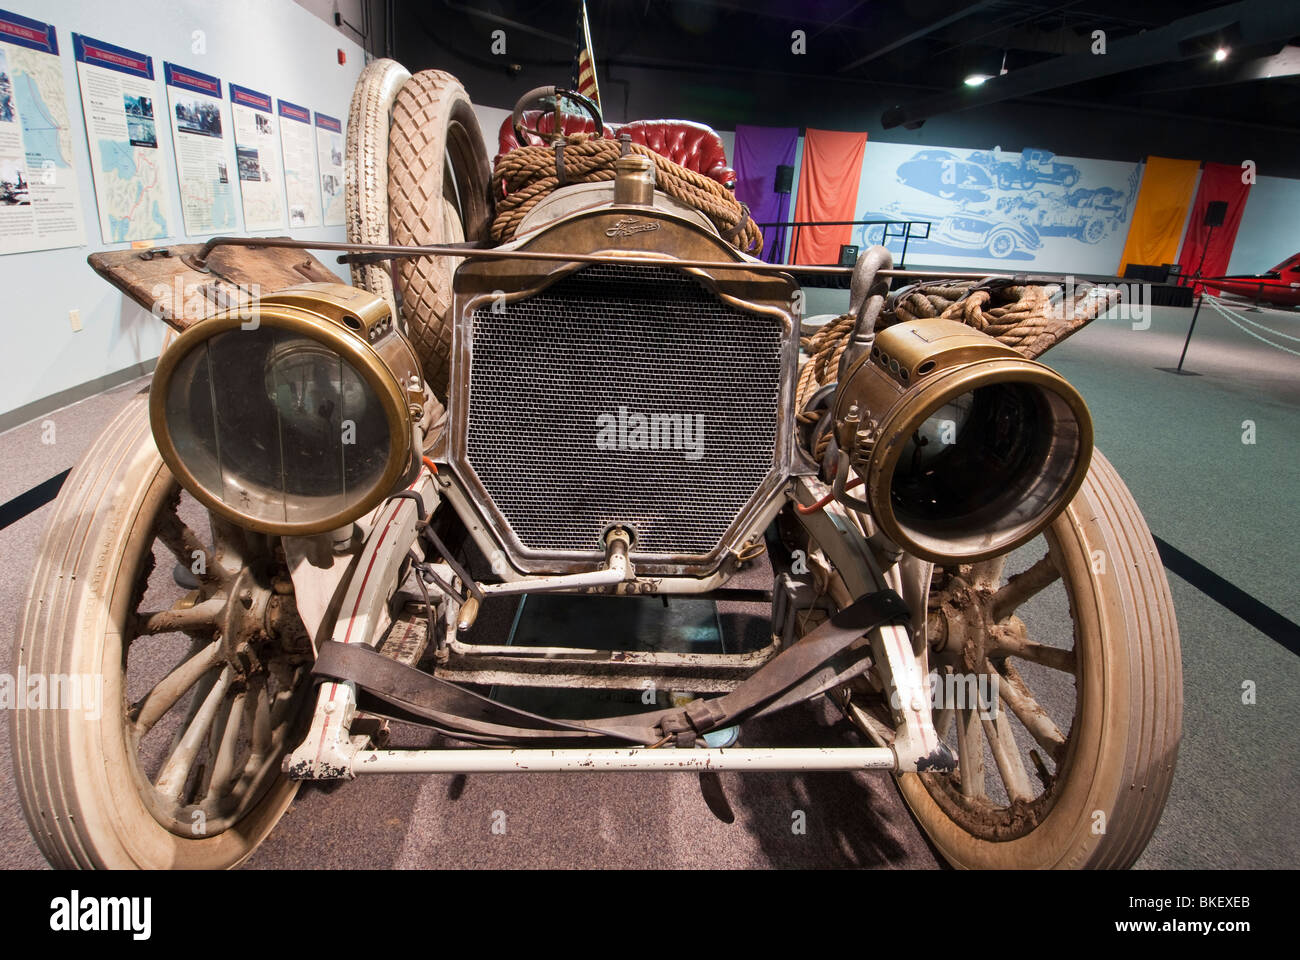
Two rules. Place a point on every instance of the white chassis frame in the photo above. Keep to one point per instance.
(331, 751)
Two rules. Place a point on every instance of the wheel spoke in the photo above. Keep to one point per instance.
(1011, 644)
(988, 572)
(147, 711)
(183, 544)
(1021, 587)
(1015, 694)
(222, 763)
(943, 721)
(285, 698)
(176, 771)
(970, 753)
(200, 618)
(259, 731)
(1006, 755)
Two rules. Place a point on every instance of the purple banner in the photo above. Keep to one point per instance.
(758, 152)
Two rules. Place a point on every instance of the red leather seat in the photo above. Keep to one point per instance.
(693, 145)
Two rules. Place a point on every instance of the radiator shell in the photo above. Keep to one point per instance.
(553, 362)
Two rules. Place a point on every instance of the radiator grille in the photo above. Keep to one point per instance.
(558, 378)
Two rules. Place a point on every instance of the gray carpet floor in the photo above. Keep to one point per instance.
(1176, 440)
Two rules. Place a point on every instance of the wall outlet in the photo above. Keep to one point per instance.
(74, 317)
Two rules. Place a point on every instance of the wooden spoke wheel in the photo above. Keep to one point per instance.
(198, 658)
(1061, 694)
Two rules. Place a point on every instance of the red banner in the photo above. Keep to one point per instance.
(1219, 181)
(828, 190)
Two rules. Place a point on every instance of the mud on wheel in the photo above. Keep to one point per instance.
(202, 683)
(1073, 767)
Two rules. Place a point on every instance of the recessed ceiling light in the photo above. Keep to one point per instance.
(975, 79)
(1220, 54)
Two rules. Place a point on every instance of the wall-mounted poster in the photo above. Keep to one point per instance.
(329, 149)
(204, 162)
(999, 209)
(299, 165)
(257, 156)
(40, 204)
(117, 101)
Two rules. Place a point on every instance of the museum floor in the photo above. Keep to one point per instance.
(1224, 511)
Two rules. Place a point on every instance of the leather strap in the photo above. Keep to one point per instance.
(560, 173)
(819, 660)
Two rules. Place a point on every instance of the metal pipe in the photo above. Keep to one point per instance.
(628, 760)
(616, 570)
(199, 260)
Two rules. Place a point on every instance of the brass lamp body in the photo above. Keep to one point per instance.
(347, 321)
(966, 448)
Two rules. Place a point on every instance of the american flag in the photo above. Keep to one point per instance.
(584, 66)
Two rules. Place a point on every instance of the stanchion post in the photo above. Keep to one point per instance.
(1192, 326)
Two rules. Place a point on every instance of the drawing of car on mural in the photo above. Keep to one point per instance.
(942, 174)
(1031, 167)
(998, 238)
(967, 230)
(1057, 216)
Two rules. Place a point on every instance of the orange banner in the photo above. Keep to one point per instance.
(1160, 212)
(828, 190)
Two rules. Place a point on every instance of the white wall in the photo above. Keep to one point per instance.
(275, 46)
(1268, 233)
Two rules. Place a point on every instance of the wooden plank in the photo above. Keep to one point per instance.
(163, 282)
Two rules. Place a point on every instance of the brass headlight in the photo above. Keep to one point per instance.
(293, 415)
(967, 449)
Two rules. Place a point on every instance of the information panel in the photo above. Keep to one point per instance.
(300, 190)
(40, 205)
(203, 157)
(329, 148)
(117, 103)
(257, 155)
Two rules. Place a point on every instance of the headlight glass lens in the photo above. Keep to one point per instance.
(277, 426)
(973, 459)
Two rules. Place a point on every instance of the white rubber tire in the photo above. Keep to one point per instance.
(1128, 721)
(73, 771)
(433, 120)
(366, 169)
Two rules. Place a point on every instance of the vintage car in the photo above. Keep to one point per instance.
(1032, 166)
(1055, 216)
(998, 237)
(1279, 286)
(284, 547)
(942, 174)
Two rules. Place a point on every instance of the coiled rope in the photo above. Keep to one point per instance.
(1030, 318)
(527, 175)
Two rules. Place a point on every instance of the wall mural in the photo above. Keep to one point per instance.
(999, 209)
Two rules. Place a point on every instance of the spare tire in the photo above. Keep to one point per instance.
(366, 169)
(438, 192)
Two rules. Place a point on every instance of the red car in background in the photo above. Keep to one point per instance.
(1280, 286)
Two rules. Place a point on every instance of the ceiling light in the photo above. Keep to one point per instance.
(975, 79)
(1220, 54)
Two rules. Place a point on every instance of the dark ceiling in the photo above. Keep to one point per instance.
(879, 65)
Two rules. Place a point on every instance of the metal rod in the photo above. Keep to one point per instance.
(1190, 328)
(200, 259)
(633, 759)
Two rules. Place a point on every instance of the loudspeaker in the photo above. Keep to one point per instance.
(848, 254)
(1215, 211)
(784, 179)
